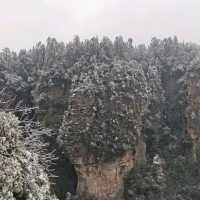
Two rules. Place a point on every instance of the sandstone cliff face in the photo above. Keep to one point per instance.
(153, 117)
(102, 127)
(193, 112)
(50, 94)
(104, 180)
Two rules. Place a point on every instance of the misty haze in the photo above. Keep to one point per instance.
(99, 100)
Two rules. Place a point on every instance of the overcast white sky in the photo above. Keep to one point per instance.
(25, 22)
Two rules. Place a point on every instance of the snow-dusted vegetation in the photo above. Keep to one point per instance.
(69, 112)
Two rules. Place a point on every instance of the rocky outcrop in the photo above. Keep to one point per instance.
(154, 115)
(192, 111)
(116, 117)
(104, 180)
(50, 94)
(101, 129)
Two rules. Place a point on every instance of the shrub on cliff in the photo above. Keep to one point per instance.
(147, 182)
(21, 175)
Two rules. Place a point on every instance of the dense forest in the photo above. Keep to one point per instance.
(100, 119)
